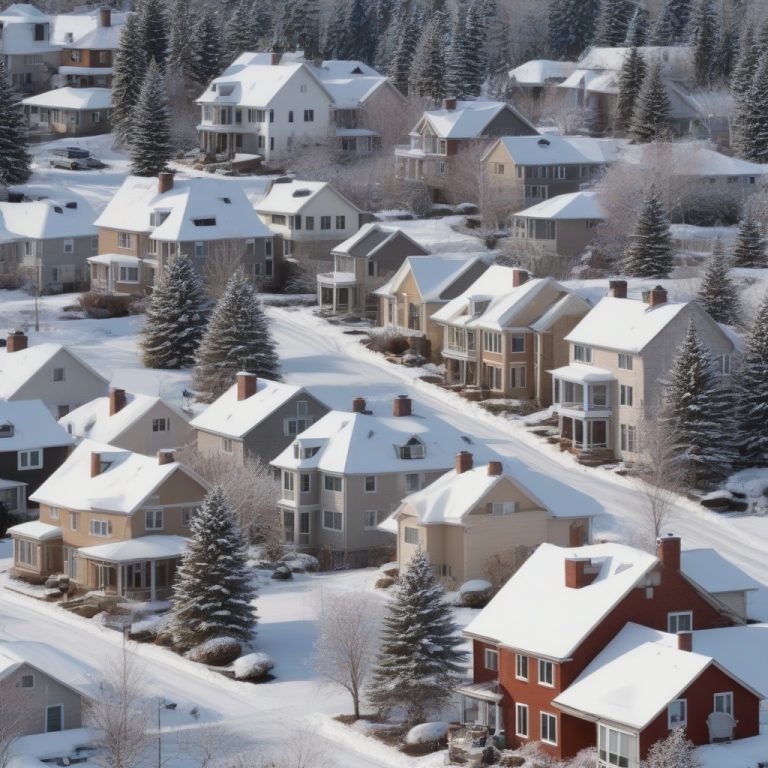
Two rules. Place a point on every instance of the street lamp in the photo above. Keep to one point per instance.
(161, 705)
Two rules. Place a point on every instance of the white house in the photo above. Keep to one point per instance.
(27, 47)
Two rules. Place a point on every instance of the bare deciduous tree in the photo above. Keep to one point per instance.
(558, 109)
(224, 258)
(501, 567)
(209, 745)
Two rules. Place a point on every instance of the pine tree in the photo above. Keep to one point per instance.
(705, 43)
(14, 157)
(237, 339)
(741, 82)
(336, 35)
(637, 30)
(297, 27)
(694, 412)
(613, 22)
(752, 392)
(361, 42)
(242, 31)
(207, 46)
(749, 250)
(718, 294)
(672, 23)
(649, 253)
(212, 590)
(428, 75)
(402, 56)
(572, 26)
(457, 55)
(150, 136)
(153, 30)
(630, 82)
(476, 61)
(650, 117)
(753, 116)
(419, 663)
(727, 46)
(128, 75)
(176, 315)
(181, 53)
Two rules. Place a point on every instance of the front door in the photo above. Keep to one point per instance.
(54, 718)
(304, 529)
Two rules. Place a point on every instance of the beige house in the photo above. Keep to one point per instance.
(500, 333)
(564, 225)
(122, 274)
(256, 419)
(419, 288)
(471, 515)
(620, 353)
(360, 264)
(138, 423)
(110, 520)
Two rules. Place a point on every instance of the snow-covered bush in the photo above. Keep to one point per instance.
(301, 560)
(218, 651)
(426, 733)
(475, 593)
(252, 666)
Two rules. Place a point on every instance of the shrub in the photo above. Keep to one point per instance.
(102, 305)
(384, 582)
(252, 666)
(217, 652)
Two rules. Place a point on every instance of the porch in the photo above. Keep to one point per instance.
(337, 292)
(482, 723)
(298, 527)
(37, 550)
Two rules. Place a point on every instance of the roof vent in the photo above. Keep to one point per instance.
(543, 142)
(302, 193)
(283, 180)
(225, 200)
(72, 205)
(58, 209)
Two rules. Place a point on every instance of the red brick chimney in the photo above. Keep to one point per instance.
(165, 457)
(358, 405)
(105, 17)
(95, 463)
(668, 551)
(617, 289)
(402, 406)
(464, 462)
(117, 401)
(274, 58)
(519, 276)
(657, 296)
(164, 182)
(449, 104)
(494, 468)
(246, 385)
(685, 641)
(576, 575)
(17, 340)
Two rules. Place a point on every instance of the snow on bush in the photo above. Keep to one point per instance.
(426, 733)
(252, 666)
(301, 560)
(475, 585)
(148, 626)
(217, 651)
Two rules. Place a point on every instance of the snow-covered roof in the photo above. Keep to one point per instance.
(570, 304)
(350, 83)
(625, 324)
(468, 120)
(290, 197)
(373, 236)
(346, 67)
(220, 208)
(36, 530)
(574, 205)
(231, 417)
(558, 150)
(711, 571)
(23, 11)
(31, 426)
(125, 482)
(17, 368)
(432, 274)
(48, 219)
(514, 617)
(539, 72)
(16, 38)
(141, 548)
(634, 677)
(72, 98)
(83, 30)
(361, 443)
(120, 258)
(670, 56)
(49, 660)
(691, 158)
(581, 373)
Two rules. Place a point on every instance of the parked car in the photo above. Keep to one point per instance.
(74, 159)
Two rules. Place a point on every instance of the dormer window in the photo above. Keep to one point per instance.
(206, 222)
(6, 429)
(582, 354)
(478, 306)
(156, 218)
(413, 449)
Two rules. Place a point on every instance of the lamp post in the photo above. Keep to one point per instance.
(161, 705)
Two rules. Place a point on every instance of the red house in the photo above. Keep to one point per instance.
(592, 646)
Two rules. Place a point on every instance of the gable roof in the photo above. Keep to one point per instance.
(72, 98)
(538, 72)
(691, 158)
(568, 207)
(351, 83)
(373, 236)
(570, 304)
(289, 197)
(33, 426)
(50, 661)
(514, 617)
(557, 150)
(48, 219)
(713, 573)
(469, 119)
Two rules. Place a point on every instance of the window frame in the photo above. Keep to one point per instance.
(330, 483)
(726, 696)
(100, 528)
(408, 535)
(161, 425)
(58, 374)
(625, 361)
(371, 524)
(21, 467)
(334, 513)
(366, 488)
(325, 223)
(521, 660)
(124, 241)
(227, 445)
(156, 514)
(671, 723)
(520, 707)
(626, 395)
(552, 726)
(675, 616)
(491, 659)
(541, 679)
(582, 354)
(27, 676)
(341, 222)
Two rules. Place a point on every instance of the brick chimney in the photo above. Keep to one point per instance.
(449, 104)
(494, 468)
(117, 401)
(105, 17)
(617, 289)
(358, 405)
(464, 462)
(519, 276)
(274, 58)
(246, 385)
(164, 182)
(95, 463)
(668, 551)
(17, 340)
(657, 296)
(402, 406)
(576, 575)
(165, 457)
(685, 641)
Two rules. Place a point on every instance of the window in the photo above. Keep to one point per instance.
(325, 222)
(521, 666)
(207, 221)
(411, 535)
(677, 713)
(39, 32)
(271, 138)
(278, 218)
(309, 223)
(372, 269)
(187, 513)
(124, 240)
(724, 703)
(290, 115)
(32, 459)
(599, 395)
(161, 425)
(371, 518)
(520, 171)
(58, 374)
(615, 747)
(306, 482)
(503, 507)
(498, 169)
(492, 342)
(582, 354)
(516, 376)
(288, 481)
(53, 513)
(74, 520)
(625, 395)
(100, 528)
(296, 222)
(491, 659)
(412, 482)
(625, 362)
(153, 519)
(548, 728)
(309, 115)
(226, 444)
(724, 364)
(628, 435)
(199, 249)
(341, 222)
(303, 88)
(26, 552)
(129, 274)
(62, 411)
(546, 673)
(370, 483)
(296, 426)
(69, 246)
(680, 621)
(74, 55)
(413, 449)
(492, 376)
(441, 167)
(559, 171)
(442, 146)
(332, 520)
(27, 681)
(521, 720)
(333, 483)
(517, 342)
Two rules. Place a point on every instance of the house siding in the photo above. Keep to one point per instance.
(53, 458)
(140, 438)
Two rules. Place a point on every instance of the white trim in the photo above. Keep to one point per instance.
(540, 680)
(542, 715)
(491, 655)
(677, 723)
(728, 694)
(518, 707)
(518, 658)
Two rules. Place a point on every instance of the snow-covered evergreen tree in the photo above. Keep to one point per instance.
(206, 46)
(177, 310)
(649, 253)
(630, 82)
(129, 69)
(753, 116)
(181, 50)
(419, 663)
(672, 23)
(572, 26)
(727, 46)
(336, 36)
(476, 65)
(404, 51)
(153, 30)
(428, 74)
(637, 29)
(704, 40)
(752, 392)
(650, 117)
(149, 143)
(241, 32)
(741, 82)
(237, 339)
(14, 156)
(749, 249)
(213, 590)
(613, 22)
(297, 27)
(361, 42)
(458, 55)
(718, 294)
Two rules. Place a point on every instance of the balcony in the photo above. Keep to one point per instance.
(288, 494)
